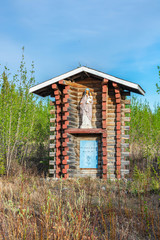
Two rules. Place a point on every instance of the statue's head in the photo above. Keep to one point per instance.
(87, 91)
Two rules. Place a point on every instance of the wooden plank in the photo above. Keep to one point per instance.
(125, 145)
(126, 110)
(126, 119)
(111, 147)
(126, 101)
(52, 129)
(72, 101)
(111, 128)
(71, 109)
(52, 137)
(73, 84)
(111, 168)
(73, 114)
(111, 119)
(125, 171)
(125, 136)
(126, 154)
(95, 121)
(72, 170)
(52, 111)
(111, 111)
(125, 163)
(70, 162)
(125, 128)
(72, 119)
(73, 123)
(111, 154)
(112, 115)
(85, 131)
(111, 176)
(52, 171)
(52, 162)
(73, 105)
(113, 132)
(72, 158)
(52, 154)
(111, 107)
(71, 144)
(52, 120)
(111, 124)
(71, 154)
(111, 158)
(92, 88)
(52, 145)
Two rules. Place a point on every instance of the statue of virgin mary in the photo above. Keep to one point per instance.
(86, 109)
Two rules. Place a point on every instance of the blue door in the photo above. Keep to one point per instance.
(88, 154)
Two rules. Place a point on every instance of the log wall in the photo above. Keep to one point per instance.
(104, 125)
(56, 153)
(125, 116)
(52, 145)
(110, 113)
(111, 133)
(117, 132)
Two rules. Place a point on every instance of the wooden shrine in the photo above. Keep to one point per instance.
(89, 123)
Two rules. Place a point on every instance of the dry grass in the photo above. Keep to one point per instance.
(35, 208)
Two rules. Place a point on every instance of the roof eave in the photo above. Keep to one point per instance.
(133, 86)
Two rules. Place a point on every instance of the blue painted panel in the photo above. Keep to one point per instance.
(88, 154)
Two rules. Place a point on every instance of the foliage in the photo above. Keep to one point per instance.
(158, 87)
(144, 181)
(22, 118)
(24, 124)
(34, 208)
(145, 131)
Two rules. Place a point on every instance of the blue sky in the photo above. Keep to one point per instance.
(119, 37)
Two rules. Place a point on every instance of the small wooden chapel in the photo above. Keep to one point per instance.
(89, 124)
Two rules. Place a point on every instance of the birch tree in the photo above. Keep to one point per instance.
(16, 114)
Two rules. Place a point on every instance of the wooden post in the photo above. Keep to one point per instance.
(69, 121)
(65, 123)
(118, 129)
(58, 130)
(104, 126)
(125, 133)
(52, 146)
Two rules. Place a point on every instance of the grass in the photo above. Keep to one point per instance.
(36, 208)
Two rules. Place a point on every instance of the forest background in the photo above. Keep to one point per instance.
(35, 207)
(24, 126)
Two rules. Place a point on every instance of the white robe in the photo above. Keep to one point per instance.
(86, 111)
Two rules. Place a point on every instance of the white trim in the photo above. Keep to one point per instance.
(89, 70)
(56, 79)
(114, 79)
